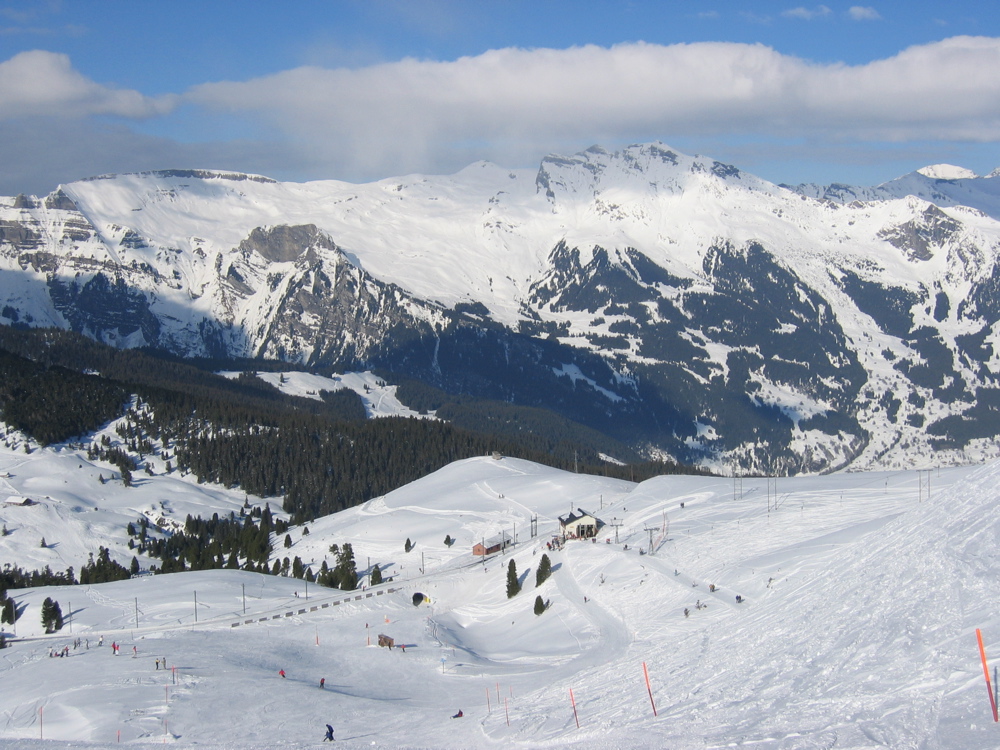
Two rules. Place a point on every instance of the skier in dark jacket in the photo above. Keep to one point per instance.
(459, 715)
(329, 733)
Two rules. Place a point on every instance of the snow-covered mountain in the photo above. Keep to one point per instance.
(861, 596)
(940, 184)
(673, 302)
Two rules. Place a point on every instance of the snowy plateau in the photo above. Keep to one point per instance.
(861, 596)
(673, 303)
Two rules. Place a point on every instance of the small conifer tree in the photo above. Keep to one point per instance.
(539, 605)
(408, 546)
(513, 587)
(288, 541)
(544, 571)
(52, 619)
(376, 575)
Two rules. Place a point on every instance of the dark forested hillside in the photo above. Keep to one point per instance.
(321, 456)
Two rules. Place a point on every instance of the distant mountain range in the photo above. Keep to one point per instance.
(673, 303)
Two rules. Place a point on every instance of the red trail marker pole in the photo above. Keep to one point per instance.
(506, 712)
(648, 688)
(986, 673)
(489, 708)
(573, 701)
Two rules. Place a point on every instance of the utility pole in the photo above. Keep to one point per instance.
(244, 598)
(196, 606)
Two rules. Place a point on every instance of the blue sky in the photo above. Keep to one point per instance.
(816, 92)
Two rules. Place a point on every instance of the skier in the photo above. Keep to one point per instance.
(329, 733)
(459, 715)
(322, 683)
(282, 673)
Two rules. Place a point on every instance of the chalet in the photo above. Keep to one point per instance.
(18, 500)
(492, 546)
(579, 525)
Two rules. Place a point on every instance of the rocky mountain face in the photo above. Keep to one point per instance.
(674, 303)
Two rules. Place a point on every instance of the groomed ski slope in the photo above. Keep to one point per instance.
(862, 596)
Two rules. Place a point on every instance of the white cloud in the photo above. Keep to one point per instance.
(861, 13)
(807, 14)
(45, 83)
(512, 104)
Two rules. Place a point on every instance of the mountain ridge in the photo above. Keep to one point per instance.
(736, 322)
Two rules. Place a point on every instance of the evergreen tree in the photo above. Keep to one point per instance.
(305, 531)
(8, 611)
(513, 587)
(52, 619)
(376, 575)
(43, 544)
(346, 572)
(539, 605)
(406, 547)
(288, 541)
(544, 571)
(448, 541)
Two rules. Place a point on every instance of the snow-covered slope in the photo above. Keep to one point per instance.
(862, 593)
(703, 313)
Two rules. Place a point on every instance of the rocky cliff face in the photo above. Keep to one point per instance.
(673, 302)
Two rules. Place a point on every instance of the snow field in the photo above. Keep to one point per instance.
(863, 593)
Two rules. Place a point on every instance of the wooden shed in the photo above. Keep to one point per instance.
(492, 546)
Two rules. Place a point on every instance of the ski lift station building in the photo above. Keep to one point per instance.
(579, 525)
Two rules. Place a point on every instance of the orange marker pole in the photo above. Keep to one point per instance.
(648, 688)
(573, 701)
(986, 673)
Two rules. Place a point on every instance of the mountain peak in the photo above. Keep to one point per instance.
(947, 172)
